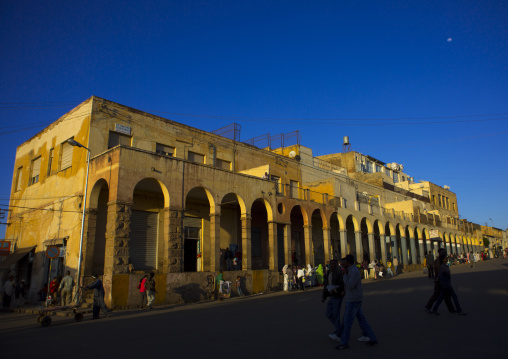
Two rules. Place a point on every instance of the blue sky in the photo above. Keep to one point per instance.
(422, 83)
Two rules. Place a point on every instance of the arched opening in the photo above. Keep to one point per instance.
(409, 249)
(389, 242)
(398, 252)
(317, 238)
(230, 231)
(260, 250)
(365, 241)
(97, 221)
(419, 248)
(297, 236)
(146, 234)
(197, 251)
(335, 229)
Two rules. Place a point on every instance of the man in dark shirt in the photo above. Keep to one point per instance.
(437, 287)
(430, 264)
(98, 298)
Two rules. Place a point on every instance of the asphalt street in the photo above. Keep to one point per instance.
(281, 325)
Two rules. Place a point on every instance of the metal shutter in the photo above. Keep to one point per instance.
(143, 240)
(66, 159)
(196, 157)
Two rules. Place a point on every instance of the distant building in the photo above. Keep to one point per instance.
(170, 198)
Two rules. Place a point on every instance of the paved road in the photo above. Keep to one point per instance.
(288, 325)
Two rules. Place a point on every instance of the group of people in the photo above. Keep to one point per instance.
(231, 260)
(344, 283)
(147, 290)
(439, 270)
(13, 294)
(376, 269)
(298, 277)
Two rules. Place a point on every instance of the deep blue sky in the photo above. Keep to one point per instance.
(422, 83)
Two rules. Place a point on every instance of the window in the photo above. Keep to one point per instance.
(65, 156)
(223, 164)
(116, 139)
(35, 171)
(196, 157)
(50, 161)
(370, 167)
(403, 178)
(439, 200)
(378, 168)
(293, 189)
(19, 173)
(395, 177)
(164, 150)
(434, 199)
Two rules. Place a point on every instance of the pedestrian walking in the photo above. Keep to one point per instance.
(437, 287)
(150, 290)
(98, 298)
(353, 299)
(142, 290)
(8, 291)
(333, 290)
(65, 289)
(430, 264)
(53, 290)
(445, 282)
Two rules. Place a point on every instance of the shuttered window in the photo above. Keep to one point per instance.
(116, 139)
(36, 170)
(196, 157)
(66, 156)
(143, 240)
(223, 164)
(164, 150)
(19, 174)
(50, 161)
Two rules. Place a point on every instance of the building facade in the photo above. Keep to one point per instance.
(166, 197)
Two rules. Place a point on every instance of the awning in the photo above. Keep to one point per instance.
(55, 241)
(14, 257)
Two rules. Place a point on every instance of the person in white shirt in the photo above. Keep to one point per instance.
(8, 291)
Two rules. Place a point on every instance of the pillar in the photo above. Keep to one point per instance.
(359, 247)
(343, 243)
(272, 246)
(403, 249)
(327, 244)
(246, 242)
(383, 240)
(215, 243)
(287, 244)
(372, 247)
(309, 255)
(173, 241)
(412, 244)
(422, 251)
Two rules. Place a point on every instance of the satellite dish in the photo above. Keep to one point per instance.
(292, 154)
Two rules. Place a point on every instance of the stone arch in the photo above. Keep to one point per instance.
(318, 221)
(95, 246)
(146, 242)
(260, 249)
(299, 224)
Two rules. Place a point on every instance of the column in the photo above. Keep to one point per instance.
(246, 242)
(412, 244)
(117, 256)
(422, 251)
(215, 243)
(287, 244)
(403, 249)
(372, 247)
(309, 255)
(383, 240)
(359, 247)
(272, 246)
(343, 243)
(173, 241)
(327, 244)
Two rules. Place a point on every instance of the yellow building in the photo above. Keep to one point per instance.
(166, 197)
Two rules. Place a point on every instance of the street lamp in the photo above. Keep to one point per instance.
(77, 144)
